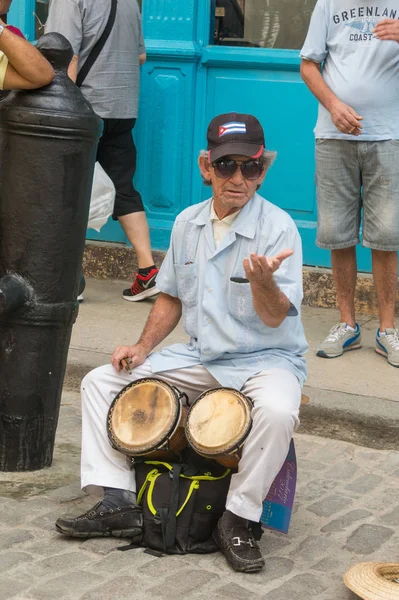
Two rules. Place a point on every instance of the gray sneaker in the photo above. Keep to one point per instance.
(388, 346)
(340, 340)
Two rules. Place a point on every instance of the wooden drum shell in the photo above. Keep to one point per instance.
(218, 424)
(147, 419)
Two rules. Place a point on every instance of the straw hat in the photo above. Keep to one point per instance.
(374, 581)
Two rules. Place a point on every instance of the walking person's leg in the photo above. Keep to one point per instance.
(276, 395)
(117, 155)
(381, 234)
(339, 203)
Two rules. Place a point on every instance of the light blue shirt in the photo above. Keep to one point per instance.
(361, 70)
(226, 334)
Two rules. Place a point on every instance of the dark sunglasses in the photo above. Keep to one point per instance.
(250, 169)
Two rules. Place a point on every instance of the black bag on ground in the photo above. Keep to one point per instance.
(182, 503)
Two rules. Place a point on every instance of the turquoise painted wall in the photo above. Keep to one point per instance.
(22, 15)
(185, 82)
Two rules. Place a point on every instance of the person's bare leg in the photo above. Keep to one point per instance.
(385, 273)
(136, 228)
(344, 268)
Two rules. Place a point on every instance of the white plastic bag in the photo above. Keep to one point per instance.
(102, 199)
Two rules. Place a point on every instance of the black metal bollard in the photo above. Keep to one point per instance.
(48, 141)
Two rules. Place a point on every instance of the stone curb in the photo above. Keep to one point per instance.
(116, 261)
(365, 421)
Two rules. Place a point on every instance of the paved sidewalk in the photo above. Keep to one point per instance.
(347, 510)
(347, 504)
(353, 398)
(106, 320)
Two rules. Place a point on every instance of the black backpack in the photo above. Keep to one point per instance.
(182, 503)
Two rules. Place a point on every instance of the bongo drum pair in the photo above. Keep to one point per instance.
(148, 418)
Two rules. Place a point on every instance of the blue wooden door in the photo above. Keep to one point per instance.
(28, 15)
(202, 63)
(271, 89)
(219, 62)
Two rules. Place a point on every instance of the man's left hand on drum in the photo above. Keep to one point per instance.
(128, 357)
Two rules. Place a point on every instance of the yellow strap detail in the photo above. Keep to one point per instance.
(194, 486)
(194, 477)
(158, 462)
(142, 489)
(150, 490)
(209, 477)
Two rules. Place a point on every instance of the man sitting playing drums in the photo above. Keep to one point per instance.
(234, 271)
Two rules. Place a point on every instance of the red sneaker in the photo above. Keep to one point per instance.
(142, 287)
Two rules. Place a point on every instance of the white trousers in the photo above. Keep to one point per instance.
(276, 395)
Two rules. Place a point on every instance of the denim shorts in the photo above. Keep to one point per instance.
(357, 184)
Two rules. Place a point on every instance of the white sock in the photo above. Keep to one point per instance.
(350, 328)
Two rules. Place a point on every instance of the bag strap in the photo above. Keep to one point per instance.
(98, 46)
(168, 516)
(188, 471)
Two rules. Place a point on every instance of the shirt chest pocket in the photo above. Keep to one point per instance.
(187, 284)
(240, 301)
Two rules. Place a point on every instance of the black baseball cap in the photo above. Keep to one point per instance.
(235, 133)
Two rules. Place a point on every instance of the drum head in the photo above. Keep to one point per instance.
(218, 421)
(142, 417)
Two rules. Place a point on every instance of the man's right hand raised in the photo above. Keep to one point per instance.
(133, 356)
(345, 118)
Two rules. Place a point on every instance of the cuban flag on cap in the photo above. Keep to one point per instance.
(233, 127)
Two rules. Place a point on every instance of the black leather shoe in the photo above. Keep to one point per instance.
(238, 544)
(126, 522)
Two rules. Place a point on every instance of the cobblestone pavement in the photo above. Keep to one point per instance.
(347, 511)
